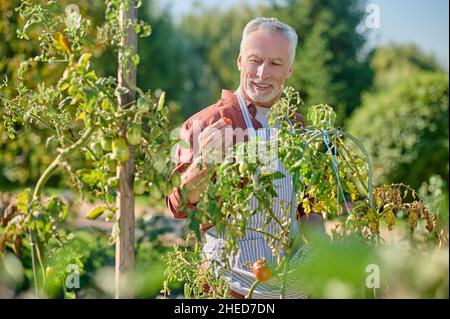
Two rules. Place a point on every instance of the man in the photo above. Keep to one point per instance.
(265, 62)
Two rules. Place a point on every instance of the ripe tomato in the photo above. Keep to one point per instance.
(261, 270)
(120, 150)
(227, 121)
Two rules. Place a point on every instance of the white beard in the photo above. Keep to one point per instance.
(258, 97)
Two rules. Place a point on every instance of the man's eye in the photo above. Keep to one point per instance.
(254, 61)
(276, 63)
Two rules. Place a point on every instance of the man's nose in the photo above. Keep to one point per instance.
(263, 71)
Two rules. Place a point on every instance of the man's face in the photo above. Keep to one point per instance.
(265, 65)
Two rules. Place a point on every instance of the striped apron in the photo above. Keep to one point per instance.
(253, 246)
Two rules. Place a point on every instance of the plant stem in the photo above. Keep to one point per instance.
(48, 126)
(41, 264)
(61, 156)
(347, 158)
(369, 165)
(33, 263)
(262, 232)
(39, 186)
(271, 214)
(283, 286)
(252, 288)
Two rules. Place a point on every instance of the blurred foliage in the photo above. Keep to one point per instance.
(163, 61)
(89, 250)
(405, 129)
(384, 271)
(395, 62)
(435, 194)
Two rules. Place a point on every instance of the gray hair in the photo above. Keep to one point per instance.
(274, 25)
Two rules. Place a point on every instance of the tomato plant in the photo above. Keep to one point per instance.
(330, 174)
(85, 114)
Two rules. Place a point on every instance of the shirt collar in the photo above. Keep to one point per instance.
(230, 96)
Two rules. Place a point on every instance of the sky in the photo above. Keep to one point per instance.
(423, 22)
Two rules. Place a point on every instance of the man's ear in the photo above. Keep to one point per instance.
(238, 61)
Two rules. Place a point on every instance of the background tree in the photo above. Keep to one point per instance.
(395, 62)
(405, 129)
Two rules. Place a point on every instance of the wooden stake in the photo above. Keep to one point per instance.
(125, 199)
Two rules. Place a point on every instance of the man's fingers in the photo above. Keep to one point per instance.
(219, 124)
(219, 136)
(224, 121)
(215, 139)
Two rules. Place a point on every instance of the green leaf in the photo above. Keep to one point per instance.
(92, 177)
(146, 30)
(121, 90)
(96, 212)
(278, 175)
(272, 192)
(67, 101)
(22, 201)
(142, 103)
(161, 101)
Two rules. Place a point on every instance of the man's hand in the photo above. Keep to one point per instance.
(213, 142)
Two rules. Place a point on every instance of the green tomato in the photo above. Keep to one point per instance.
(167, 189)
(139, 186)
(84, 59)
(243, 167)
(106, 143)
(155, 192)
(120, 150)
(315, 177)
(88, 155)
(175, 180)
(96, 148)
(111, 165)
(134, 135)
